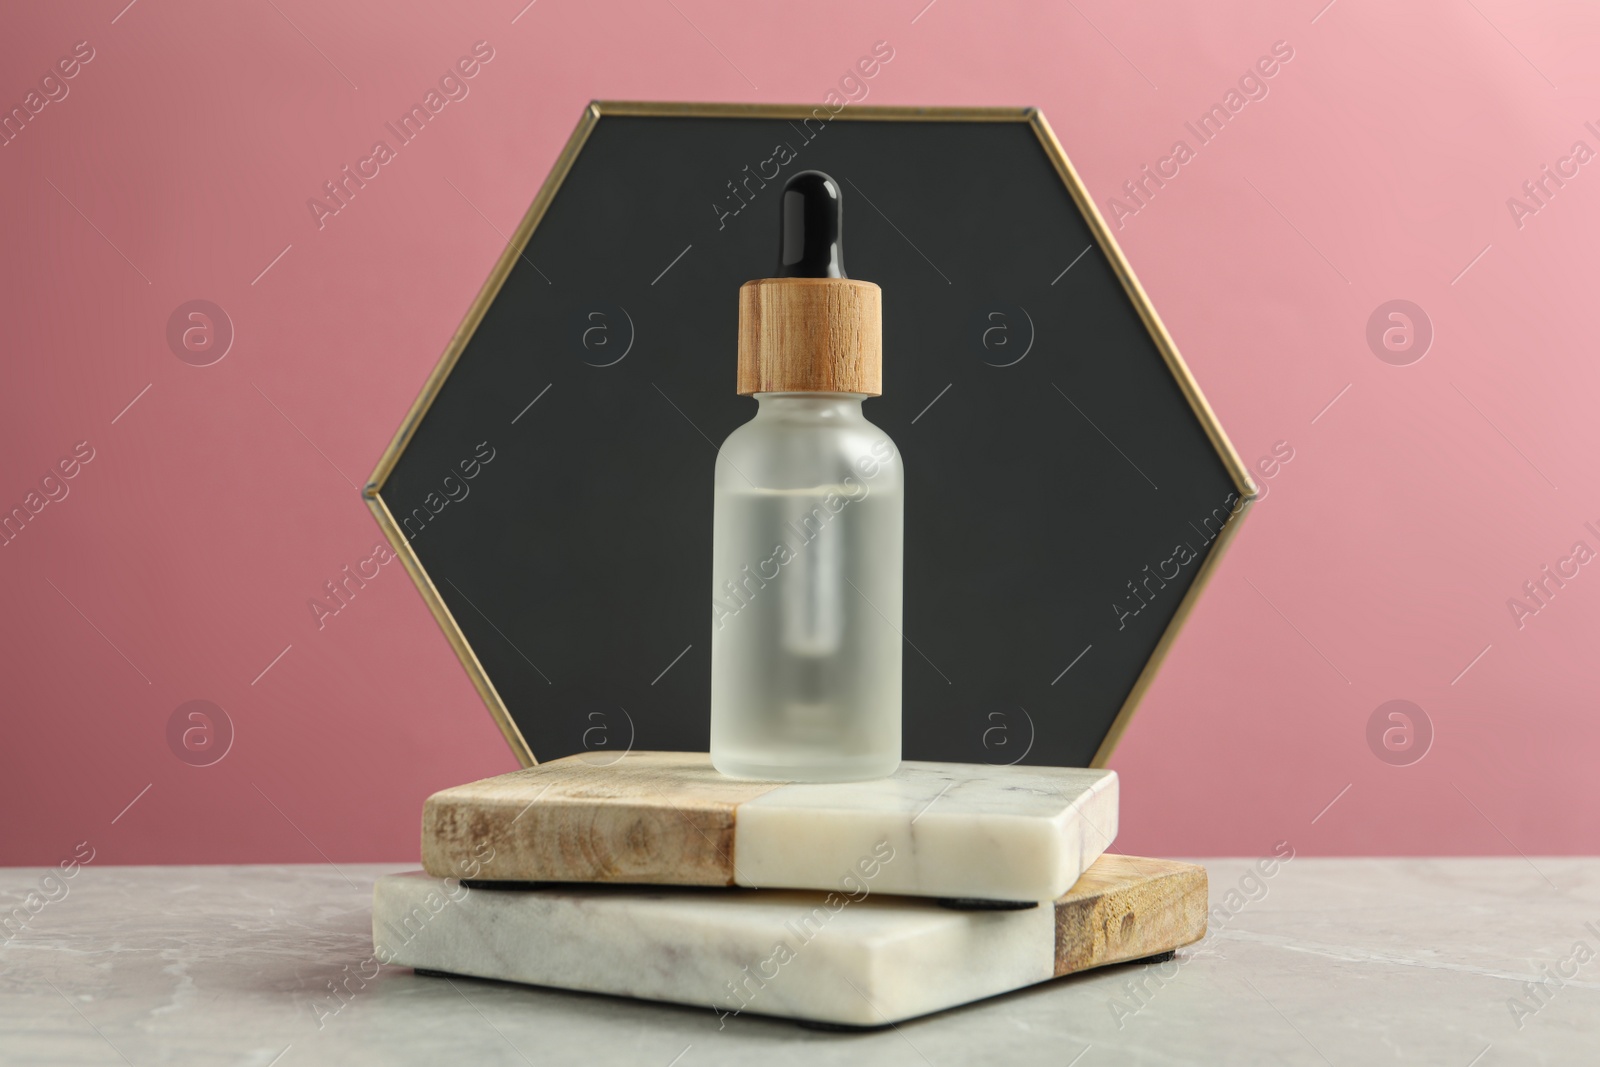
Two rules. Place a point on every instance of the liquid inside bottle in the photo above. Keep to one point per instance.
(806, 594)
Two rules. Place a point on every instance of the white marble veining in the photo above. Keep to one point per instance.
(865, 961)
(954, 829)
(1337, 961)
(1008, 833)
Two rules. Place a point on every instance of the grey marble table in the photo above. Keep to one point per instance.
(1327, 961)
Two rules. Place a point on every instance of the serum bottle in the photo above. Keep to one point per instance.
(808, 542)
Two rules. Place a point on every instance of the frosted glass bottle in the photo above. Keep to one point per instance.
(807, 573)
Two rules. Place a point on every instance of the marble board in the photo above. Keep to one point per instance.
(840, 958)
(668, 818)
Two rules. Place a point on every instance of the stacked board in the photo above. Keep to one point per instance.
(855, 904)
(668, 818)
(829, 958)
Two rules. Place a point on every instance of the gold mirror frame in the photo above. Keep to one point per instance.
(373, 493)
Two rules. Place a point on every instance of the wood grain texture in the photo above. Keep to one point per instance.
(810, 335)
(1127, 908)
(666, 819)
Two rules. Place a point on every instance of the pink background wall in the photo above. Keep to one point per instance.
(1378, 167)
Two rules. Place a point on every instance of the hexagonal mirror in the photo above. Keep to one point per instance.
(1068, 489)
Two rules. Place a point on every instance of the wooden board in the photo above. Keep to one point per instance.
(1127, 908)
(868, 960)
(668, 818)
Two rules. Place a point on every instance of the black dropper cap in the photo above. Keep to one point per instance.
(811, 228)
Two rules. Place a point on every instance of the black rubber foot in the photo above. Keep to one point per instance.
(1160, 957)
(969, 904)
(424, 972)
(479, 883)
(838, 1028)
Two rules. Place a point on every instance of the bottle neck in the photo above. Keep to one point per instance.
(814, 408)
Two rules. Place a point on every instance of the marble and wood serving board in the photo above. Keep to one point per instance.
(668, 818)
(849, 959)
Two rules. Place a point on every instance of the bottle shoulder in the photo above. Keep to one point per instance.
(779, 454)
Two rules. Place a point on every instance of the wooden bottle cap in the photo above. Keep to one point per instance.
(812, 335)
